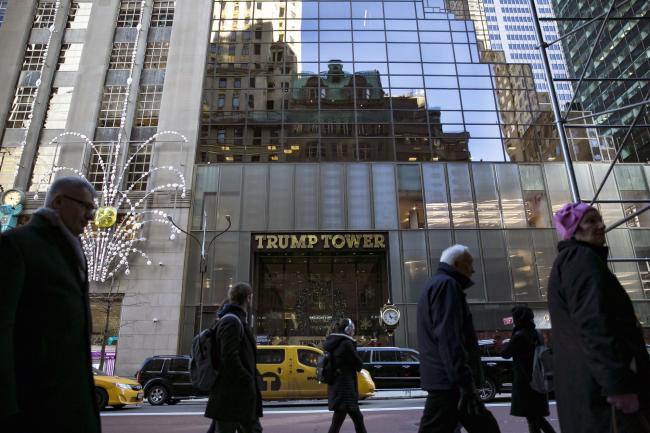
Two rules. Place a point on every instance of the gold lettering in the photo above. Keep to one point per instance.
(326, 240)
(338, 241)
(298, 242)
(379, 241)
(271, 241)
(283, 241)
(260, 241)
(367, 241)
(312, 240)
(353, 240)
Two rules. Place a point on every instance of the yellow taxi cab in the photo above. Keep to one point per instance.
(289, 372)
(116, 391)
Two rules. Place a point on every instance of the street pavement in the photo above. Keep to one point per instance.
(382, 415)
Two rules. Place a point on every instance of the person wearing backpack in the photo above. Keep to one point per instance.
(601, 368)
(526, 402)
(235, 401)
(342, 392)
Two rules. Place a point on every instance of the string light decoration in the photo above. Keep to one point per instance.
(43, 58)
(113, 237)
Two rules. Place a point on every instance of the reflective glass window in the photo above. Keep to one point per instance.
(411, 210)
(495, 259)
(415, 263)
(460, 190)
(487, 200)
(384, 196)
(510, 191)
(358, 197)
(435, 196)
(470, 239)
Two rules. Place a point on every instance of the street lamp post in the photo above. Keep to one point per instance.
(203, 265)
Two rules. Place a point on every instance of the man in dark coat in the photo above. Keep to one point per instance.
(526, 401)
(343, 394)
(46, 381)
(599, 355)
(235, 402)
(450, 363)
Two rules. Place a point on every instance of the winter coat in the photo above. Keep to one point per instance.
(449, 353)
(235, 396)
(45, 367)
(596, 339)
(343, 394)
(521, 348)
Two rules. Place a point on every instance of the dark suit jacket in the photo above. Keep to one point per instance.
(46, 381)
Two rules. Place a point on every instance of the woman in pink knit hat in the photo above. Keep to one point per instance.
(601, 366)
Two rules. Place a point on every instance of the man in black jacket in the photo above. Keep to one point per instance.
(450, 363)
(235, 402)
(46, 381)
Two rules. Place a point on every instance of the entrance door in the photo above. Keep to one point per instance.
(299, 296)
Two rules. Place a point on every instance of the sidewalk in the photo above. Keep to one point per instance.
(387, 394)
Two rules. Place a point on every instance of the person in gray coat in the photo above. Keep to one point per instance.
(343, 394)
(601, 366)
(46, 380)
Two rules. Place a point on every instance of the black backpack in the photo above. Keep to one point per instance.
(203, 371)
(325, 371)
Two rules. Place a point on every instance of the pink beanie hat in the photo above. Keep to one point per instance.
(568, 218)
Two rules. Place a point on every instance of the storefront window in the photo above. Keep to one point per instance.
(300, 295)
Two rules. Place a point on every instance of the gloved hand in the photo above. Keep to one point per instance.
(469, 403)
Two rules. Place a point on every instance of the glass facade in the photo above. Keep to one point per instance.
(501, 211)
(301, 81)
(620, 53)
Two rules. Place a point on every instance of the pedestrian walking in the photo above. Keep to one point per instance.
(343, 394)
(526, 402)
(450, 363)
(46, 379)
(601, 366)
(235, 401)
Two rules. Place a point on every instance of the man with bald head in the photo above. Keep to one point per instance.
(45, 366)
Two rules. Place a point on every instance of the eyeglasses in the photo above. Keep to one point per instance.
(90, 207)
